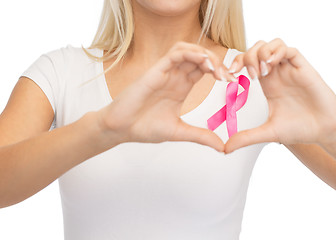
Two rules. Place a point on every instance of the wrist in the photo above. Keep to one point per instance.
(102, 135)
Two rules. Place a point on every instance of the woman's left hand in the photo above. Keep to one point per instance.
(301, 105)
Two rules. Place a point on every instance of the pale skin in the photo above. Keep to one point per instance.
(169, 78)
(302, 113)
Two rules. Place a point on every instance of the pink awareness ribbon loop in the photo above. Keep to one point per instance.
(233, 104)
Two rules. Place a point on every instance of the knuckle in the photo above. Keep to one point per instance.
(282, 49)
(260, 42)
(239, 58)
(247, 60)
(178, 45)
(295, 50)
(263, 49)
(279, 40)
(248, 56)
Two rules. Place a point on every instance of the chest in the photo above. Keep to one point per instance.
(120, 78)
(171, 180)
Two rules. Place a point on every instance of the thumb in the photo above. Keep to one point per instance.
(263, 133)
(186, 132)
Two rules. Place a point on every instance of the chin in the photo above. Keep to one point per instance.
(168, 7)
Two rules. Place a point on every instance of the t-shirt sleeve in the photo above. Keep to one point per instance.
(44, 74)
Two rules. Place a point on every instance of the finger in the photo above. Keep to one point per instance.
(270, 55)
(295, 57)
(184, 59)
(190, 49)
(251, 60)
(227, 75)
(277, 56)
(277, 52)
(173, 59)
(263, 133)
(195, 75)
(202, 136)
(187, 67)
(220, 70)
(213, 63)
(237, 64)
(195, 53)
(181, 56)
(267, 52)
(198, 60)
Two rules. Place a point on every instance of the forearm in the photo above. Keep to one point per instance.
(329, 143)
(318, 160)
(330, 148)
(29, 166)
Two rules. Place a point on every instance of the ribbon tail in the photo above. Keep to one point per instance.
(217, 119)
(231, 116)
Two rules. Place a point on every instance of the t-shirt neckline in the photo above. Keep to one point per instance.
(188, 114)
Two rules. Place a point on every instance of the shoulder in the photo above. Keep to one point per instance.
(70, 63)
(70, 54)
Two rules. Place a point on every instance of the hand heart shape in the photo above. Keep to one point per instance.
(234, 102)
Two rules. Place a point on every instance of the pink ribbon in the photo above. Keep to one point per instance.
(233, 104)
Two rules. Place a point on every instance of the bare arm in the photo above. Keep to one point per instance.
(319, 161)
(30, 156)
(330, 148)
(302, 113)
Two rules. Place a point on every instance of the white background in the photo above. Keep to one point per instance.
(285, 200)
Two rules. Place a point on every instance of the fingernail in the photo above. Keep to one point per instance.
(252, 72)
(233, 79)
(204, 55)
(210, 66)
(233, 67)
(270, 59)
(263, 68)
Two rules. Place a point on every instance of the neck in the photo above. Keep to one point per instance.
(154, 34)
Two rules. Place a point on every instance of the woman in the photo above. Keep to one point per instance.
(165, 191)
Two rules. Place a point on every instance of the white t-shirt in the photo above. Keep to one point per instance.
(166, 191)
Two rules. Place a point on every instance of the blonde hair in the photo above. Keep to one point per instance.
(221, 21)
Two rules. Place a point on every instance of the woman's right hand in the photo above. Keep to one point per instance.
(149, 109)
